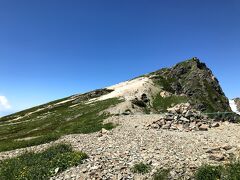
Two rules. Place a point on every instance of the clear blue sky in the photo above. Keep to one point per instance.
(50, 49)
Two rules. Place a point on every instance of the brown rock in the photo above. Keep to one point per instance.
(166, 126)
(179, 127)
(217, 157)
(161, 122)
(173, 127)
(155, 126)
(184, 119)
(215, 124)
(104, 131)
(203, 127)
(213, 150)
(227, 147)
(165, 94)
(193, 125)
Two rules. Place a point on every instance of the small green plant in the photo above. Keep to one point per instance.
(232, 171)
(141, 168)
(40, 166)
(161, 174)
(208, 172)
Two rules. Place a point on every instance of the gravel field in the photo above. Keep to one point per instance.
(113, 153)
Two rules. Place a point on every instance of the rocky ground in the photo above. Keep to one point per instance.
(113, 153)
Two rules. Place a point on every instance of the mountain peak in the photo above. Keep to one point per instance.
(191, 60)
(195, 80)
(194, 63)
(176, 99)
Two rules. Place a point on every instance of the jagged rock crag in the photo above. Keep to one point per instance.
(196, 81)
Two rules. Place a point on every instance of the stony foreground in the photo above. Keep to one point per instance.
(113, 153)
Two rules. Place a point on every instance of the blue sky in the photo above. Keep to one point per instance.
(50, 49)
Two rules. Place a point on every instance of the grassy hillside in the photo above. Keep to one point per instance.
(50, 121)
(42, 165)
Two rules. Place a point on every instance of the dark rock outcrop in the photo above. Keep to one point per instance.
(195, 80)
(92, 94)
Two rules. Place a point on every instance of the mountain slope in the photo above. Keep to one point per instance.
(189, 81)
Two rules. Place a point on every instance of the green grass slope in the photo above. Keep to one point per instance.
(42, 165)
(48, 122)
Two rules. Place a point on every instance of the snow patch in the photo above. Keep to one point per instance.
(233, 106)
(129, 89)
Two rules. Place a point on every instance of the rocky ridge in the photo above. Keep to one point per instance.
(196, 81)
(183, 118)
(189, 81)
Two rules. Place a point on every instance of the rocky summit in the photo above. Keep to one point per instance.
(196, 81)
(174, 119)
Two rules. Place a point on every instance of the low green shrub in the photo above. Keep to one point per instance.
(7, 145)
(232, 171)
(141, 168)
(161, 174)
(208, 172)
(42, 165)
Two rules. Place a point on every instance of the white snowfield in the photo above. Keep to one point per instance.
(129, 89)
(233, 106)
